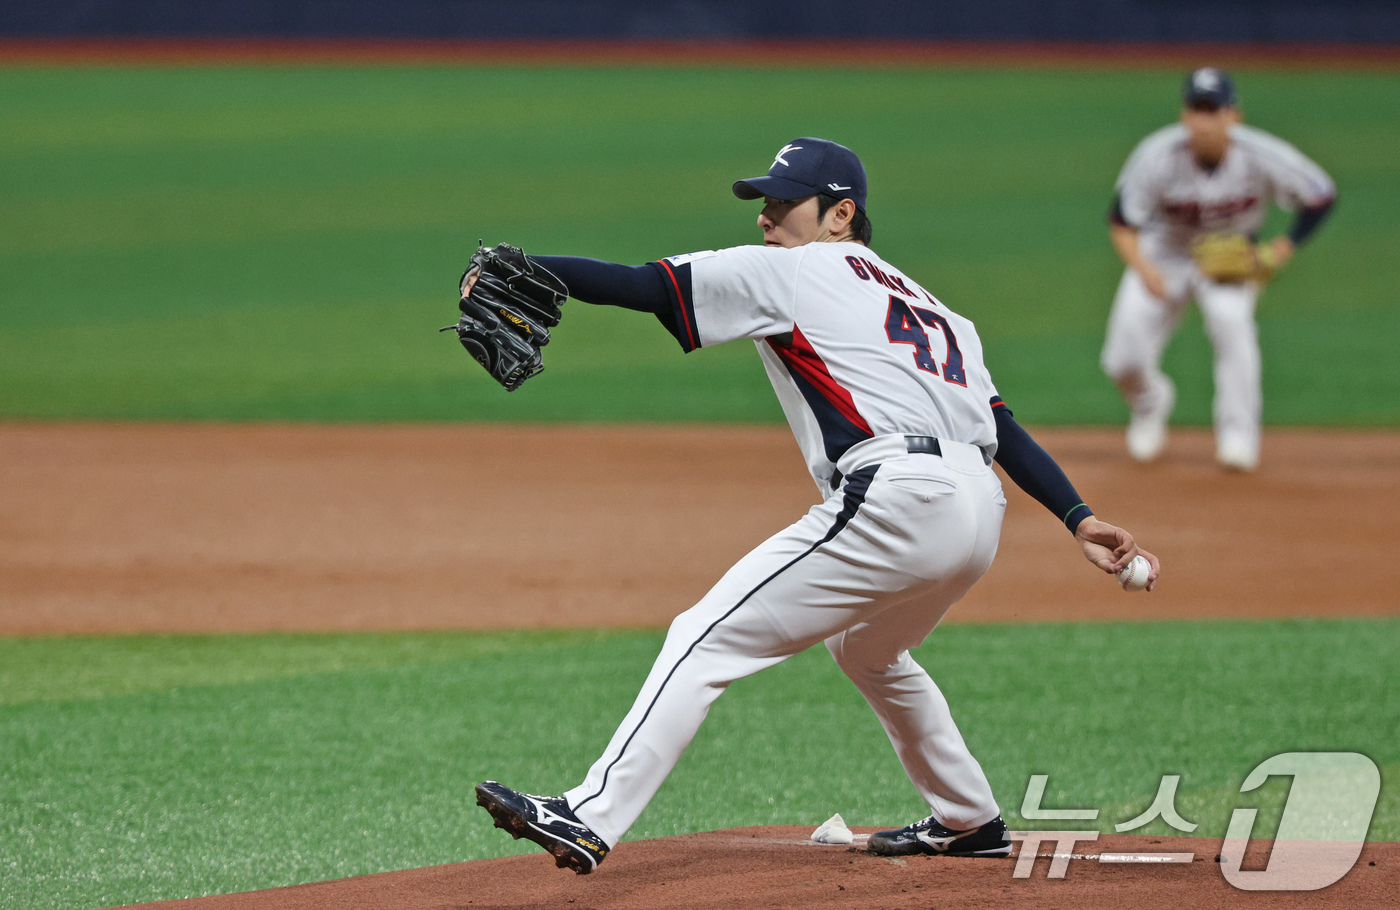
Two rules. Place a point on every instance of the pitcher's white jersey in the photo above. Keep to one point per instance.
(854, 348)
(1170, 199)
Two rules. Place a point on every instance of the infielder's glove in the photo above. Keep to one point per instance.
(1232, 258)
(508, 306)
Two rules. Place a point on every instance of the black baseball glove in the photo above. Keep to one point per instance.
(508, 306)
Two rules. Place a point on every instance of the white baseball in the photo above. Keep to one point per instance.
(1133, 576)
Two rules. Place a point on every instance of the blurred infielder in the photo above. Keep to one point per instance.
(1190, 204)
(899, 422)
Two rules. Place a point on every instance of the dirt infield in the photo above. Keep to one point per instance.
(186, 528)
(778, 867)
(132, 528)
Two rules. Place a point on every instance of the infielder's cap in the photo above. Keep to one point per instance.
(805, 167)
(1209, 85)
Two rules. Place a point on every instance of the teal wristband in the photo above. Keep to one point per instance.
(1076, 515)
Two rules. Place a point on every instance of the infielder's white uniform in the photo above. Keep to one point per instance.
(859, 355)
(1171, 199)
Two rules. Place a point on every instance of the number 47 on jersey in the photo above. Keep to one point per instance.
(904, 324)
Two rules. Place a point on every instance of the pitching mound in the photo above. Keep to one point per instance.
(779, 868)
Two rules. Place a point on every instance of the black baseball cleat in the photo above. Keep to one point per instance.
(546, 820)
(928, 836)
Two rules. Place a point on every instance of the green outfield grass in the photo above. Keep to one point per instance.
(281, 243)
(134, 769)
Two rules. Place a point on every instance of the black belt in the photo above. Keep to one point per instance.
(917, 445)
(923, 445)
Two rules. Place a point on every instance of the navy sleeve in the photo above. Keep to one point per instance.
(635, 287)
(1033, 470)
(1308, 220)
(679, 316)
(657, 287)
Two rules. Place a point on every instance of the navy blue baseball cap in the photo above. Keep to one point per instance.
(1208, 85)
(805, 167)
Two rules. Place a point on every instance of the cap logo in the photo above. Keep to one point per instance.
(838, 188)
(779, 159)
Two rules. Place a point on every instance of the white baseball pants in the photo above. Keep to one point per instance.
(1140, 325)
(870, 571)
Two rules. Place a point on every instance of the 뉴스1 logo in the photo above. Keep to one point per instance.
(1319, 837)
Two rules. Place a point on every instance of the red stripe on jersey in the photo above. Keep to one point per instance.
(680, 305)
(803, 359)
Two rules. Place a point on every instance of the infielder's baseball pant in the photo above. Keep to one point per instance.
(1140, 326)
(871, 571)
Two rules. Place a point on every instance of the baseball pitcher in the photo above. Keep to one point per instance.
(899, 423)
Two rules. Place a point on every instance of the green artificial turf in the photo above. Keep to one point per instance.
(143, 768)
(282, 243)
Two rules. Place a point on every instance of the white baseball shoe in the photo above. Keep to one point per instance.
(1147, 437)
(1147, 428)
(1237, 455)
